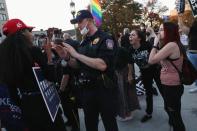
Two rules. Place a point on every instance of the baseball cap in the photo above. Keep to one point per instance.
(14, 25)
(82, 14)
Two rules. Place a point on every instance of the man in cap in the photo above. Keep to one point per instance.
(96, 75)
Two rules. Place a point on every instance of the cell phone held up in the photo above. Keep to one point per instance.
(58, 41)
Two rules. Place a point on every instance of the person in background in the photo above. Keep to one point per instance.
(119, 36)
(192, 50)
(18, 56)
(139, 54)
(169, 53)
(150, 37)
(183, 37)
(125, 38)
(183, 32)
(69, 91)
(127, 97)
(143, 29)
(156, 29)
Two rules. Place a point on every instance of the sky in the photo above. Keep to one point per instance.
(43, 14)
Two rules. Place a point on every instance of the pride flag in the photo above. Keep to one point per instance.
(96, 11)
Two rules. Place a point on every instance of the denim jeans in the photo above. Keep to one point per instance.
(193, 59)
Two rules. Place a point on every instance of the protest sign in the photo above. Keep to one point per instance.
(193, 4)
(49, 93)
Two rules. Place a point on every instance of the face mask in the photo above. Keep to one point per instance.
(148, 33)
(85, 30)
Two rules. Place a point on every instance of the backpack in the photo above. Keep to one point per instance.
(188, 74)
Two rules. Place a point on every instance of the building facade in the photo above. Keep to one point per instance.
(3, 13)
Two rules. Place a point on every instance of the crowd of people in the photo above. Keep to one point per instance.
(96, 74)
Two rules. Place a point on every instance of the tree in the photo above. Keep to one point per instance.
(153, 17)
(156, 7)
(154, 11)
(119, 14)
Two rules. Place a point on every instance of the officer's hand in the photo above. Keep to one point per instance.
(71, 50)
(61, 51)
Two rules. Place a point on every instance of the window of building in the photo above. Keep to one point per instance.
(2, 6)
(3, 17)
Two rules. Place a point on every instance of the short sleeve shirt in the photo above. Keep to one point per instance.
(140, 56)
(100, 45)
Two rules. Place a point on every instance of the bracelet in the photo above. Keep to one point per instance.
(156, 47)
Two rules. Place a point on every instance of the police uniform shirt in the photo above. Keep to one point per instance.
(140, 56)
(100, 45)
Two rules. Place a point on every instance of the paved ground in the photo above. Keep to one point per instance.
(160, 119)
(159, 122)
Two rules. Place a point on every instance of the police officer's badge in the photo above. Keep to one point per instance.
(78, 13)
(95, 41)
(110, 44)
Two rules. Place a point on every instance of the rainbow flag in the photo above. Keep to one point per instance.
(96, 11)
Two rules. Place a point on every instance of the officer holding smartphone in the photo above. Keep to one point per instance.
(94, 59)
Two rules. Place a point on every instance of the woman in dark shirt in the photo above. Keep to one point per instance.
(18, 56)
(139, 54)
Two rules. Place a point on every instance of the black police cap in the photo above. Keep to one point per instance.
(82, 14)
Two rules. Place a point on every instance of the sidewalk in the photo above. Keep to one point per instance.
(159, 121)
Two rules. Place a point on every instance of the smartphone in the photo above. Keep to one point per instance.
(58, 41)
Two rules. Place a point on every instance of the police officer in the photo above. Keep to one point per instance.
(94, 59)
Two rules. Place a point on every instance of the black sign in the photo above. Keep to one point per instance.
(193, 4)
(49, 93)
(180, 6)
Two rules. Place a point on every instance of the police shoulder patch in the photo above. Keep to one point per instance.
(110, 44)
